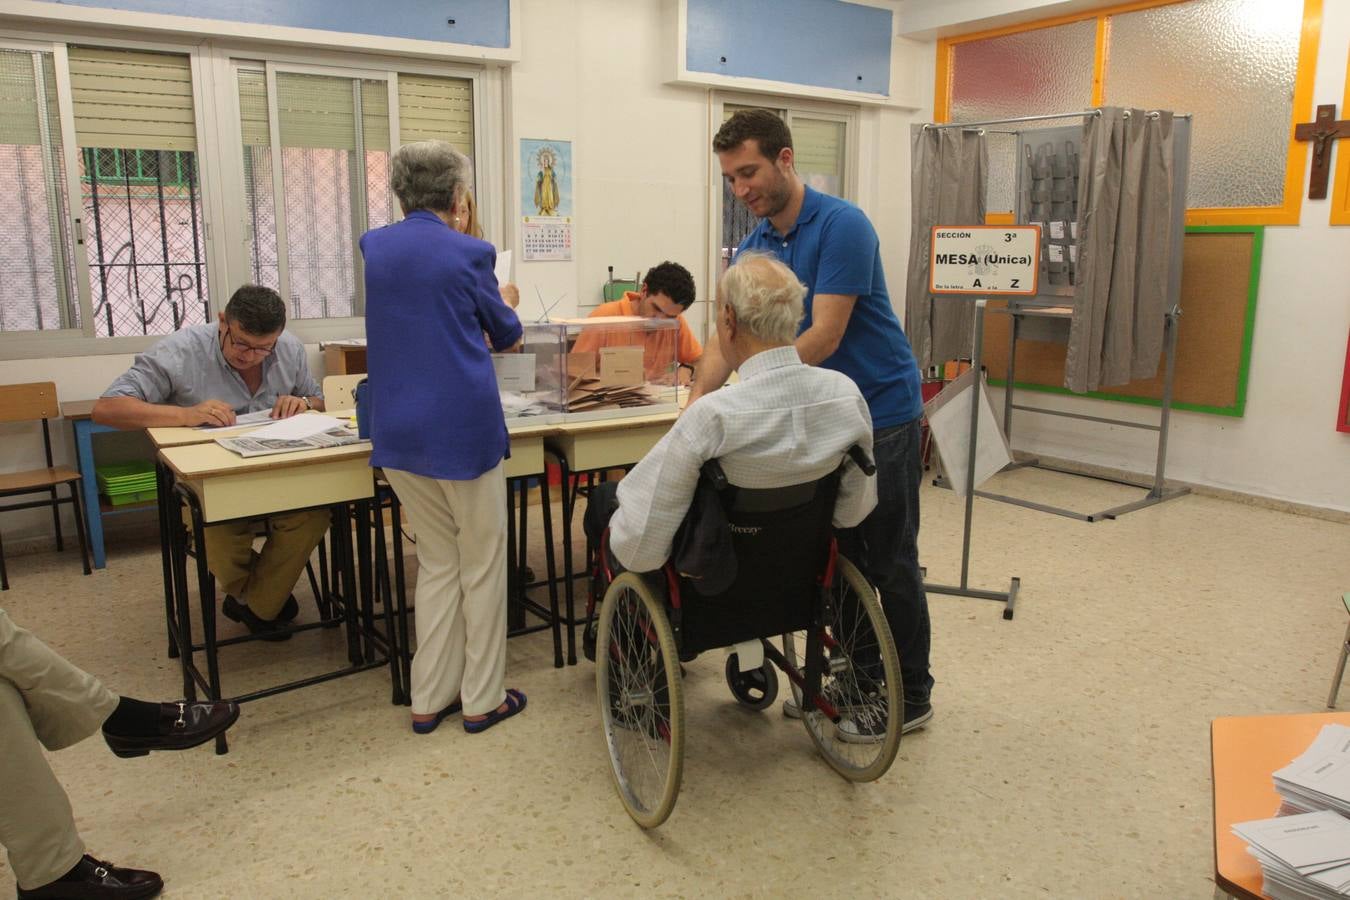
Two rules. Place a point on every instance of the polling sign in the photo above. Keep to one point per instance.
(985, 259)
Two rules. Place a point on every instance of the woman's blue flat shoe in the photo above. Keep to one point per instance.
(515, 702)
(429, 726)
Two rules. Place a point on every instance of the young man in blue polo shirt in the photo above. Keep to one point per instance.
(850, 327)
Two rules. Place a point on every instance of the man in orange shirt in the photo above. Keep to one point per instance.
(667, 291)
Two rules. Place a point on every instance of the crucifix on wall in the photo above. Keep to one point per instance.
(1321, 131)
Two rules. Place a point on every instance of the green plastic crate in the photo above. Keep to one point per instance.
(132, 497)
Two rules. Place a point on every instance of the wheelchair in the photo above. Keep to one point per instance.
(792, 584)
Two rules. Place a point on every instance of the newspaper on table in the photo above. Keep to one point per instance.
(251, 445)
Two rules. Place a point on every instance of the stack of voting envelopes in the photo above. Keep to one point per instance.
(1320, 777)
(1302, 856)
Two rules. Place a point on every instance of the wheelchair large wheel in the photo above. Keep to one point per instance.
(857, 643)
(637, 678)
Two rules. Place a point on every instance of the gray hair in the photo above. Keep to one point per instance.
(429, 175)
(766, 296)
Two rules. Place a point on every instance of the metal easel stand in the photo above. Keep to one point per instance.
(1157, 492)
(1008, 597)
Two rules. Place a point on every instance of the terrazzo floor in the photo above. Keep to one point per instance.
(1068, 757)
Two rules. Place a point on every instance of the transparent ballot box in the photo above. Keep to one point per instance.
(620, 366)
(530, 380)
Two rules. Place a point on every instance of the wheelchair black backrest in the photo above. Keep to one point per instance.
(782, 542)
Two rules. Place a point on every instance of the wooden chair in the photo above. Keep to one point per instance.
(25, 403)
(338, 392)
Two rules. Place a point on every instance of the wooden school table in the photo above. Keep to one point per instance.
(219, 486)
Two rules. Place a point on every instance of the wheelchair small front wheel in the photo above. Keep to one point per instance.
(637, 680)
(757, 688)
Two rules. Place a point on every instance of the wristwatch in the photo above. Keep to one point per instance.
(308, 405)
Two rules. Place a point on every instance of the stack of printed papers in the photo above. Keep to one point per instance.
(1301, 856)
(1320, 777)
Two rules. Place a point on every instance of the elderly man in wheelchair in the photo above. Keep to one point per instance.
(723, 536)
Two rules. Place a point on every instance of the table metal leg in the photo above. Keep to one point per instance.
(569, 597)
(546, 507)
(363, 525)
(343, 552)
(93, 515)
(386, 592)
(206, 589)
(178, 612)
(165, 504)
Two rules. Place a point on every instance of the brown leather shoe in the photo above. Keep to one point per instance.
(181, 725)
(94, 880)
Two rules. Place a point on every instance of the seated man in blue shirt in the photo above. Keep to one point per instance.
(205, 375)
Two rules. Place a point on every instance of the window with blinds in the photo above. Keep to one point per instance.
(432, 108)
(37, 283)
(135, 124)
(329, 167)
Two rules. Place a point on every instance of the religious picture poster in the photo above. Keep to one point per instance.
(545, 199)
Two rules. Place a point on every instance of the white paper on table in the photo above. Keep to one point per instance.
(949, 421)
(503, 268)
(296, 427)
(247, 420)
(515, 371)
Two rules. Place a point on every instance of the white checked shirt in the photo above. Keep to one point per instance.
(784, 423)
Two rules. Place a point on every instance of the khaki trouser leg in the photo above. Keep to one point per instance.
(44, 701)
(265, 580)
(461, 589)
(229, 553)
(291, 539)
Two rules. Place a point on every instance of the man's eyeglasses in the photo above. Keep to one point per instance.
(246, 348)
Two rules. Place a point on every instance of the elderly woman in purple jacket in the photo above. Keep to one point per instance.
(439, 433)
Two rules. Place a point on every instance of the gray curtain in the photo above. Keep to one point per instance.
(1125, 202)
(947, 178)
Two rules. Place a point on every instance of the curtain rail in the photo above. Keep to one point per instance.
(1085, 114)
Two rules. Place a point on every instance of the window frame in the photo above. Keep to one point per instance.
(228, 57)
(216, 119)
(1287, 213)
(1340, 195)
(82, 341)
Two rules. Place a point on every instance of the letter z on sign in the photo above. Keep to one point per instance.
(985, 259)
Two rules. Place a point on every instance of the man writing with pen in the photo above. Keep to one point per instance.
(207, 375)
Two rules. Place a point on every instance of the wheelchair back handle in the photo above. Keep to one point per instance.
(862, 460)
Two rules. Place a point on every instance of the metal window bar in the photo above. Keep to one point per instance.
(147, 249)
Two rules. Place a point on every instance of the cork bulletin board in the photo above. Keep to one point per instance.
(1221, 269)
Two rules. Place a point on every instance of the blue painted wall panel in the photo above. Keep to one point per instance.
(481, 23)
(822, 43)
